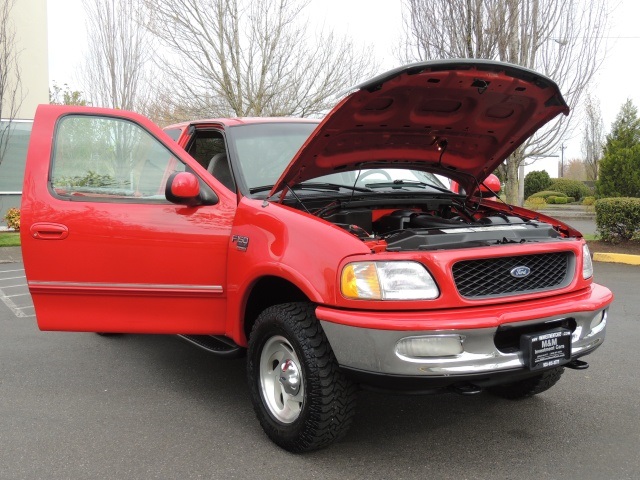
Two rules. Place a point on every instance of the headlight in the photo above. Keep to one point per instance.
(587, 264)
(388, 281)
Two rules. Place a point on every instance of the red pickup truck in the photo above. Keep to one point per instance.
(333, 253)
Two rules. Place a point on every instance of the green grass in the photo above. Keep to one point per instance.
(9, 239)
(591, 236)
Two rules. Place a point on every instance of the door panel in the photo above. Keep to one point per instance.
(124, 259)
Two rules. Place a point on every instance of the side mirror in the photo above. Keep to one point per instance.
(183, 188)
(493, 184)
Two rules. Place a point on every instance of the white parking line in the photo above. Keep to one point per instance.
(17, 295)
(16, 274)
(17, 311)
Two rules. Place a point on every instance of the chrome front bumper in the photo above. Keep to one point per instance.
(375, 351)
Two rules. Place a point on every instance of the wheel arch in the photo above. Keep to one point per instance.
(265, 292)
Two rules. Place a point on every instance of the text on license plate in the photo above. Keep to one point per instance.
(546, 349)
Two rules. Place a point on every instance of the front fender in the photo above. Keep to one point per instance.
(270, 239)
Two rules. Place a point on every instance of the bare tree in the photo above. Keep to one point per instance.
(592, 137)
(575, 169)
(560, 38)
(251, 58)
(116, 71)
(11, 96)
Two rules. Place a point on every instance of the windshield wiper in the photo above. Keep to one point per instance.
(263, 188)
(336, 187)
(398, 184)
(331, 186)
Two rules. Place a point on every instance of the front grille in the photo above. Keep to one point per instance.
(492, 277)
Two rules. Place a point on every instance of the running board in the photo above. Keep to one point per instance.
(216, 344)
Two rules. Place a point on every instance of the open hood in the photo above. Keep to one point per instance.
(459, 118)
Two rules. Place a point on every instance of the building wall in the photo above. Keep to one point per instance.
(29, 21)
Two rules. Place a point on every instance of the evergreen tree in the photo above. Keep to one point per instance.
(620, 165)
(535, 182)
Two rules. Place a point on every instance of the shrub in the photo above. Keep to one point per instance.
(571, 188)
(536, 181)
(571, 200)
(588, 201)
(90, 179)
(12, 217)
(557, 200)
(618, 219)
(536, 203)
(546, 194)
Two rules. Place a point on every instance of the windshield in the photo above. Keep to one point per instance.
(264, 150)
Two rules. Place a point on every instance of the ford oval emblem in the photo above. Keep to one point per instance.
(520, 272)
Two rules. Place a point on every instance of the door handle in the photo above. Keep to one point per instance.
(49, 231)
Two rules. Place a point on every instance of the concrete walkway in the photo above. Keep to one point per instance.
(576, 216)
(584, 221)
(569, 211)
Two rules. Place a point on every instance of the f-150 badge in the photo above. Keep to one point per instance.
(242, 243)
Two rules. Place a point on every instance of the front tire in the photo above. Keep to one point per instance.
(301, 398)
(528, 387)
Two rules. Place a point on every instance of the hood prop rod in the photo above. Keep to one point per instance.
(442, 147)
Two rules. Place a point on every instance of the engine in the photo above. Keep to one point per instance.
(444, 227)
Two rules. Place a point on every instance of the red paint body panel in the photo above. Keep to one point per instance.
(288, 244)
(592, 298)
(124, 244)
(460, 116)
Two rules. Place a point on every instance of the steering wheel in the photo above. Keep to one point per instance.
(375, 171)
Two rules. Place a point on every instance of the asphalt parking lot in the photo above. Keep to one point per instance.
(81, 406)
(13, 290)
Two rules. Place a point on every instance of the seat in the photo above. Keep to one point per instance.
(219, 168)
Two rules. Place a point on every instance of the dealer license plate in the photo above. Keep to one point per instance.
(546, 349)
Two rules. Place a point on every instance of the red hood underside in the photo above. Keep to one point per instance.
(477, 111)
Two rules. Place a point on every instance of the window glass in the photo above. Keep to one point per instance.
(174, 133)
(206, 145)
(14, 140)
(104, 157)
(264, 150)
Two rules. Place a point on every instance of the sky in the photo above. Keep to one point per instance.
(377, 26)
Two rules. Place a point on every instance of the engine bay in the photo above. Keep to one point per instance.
(437, 225)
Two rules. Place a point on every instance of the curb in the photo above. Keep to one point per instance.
(617, 258)
(569, 217)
